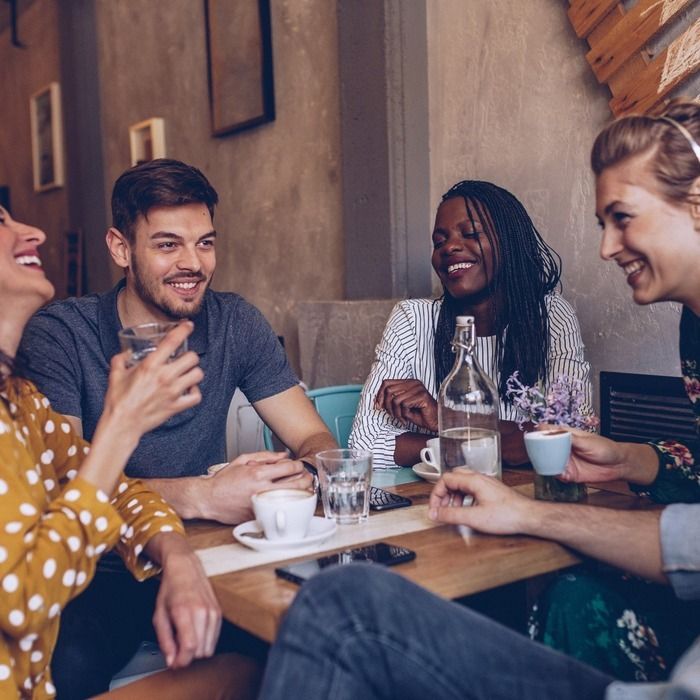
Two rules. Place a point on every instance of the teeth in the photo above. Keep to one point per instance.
(28, 260)
(459, 266)
(184, 285)
(633, 267)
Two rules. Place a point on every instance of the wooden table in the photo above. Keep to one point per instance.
(446, 563)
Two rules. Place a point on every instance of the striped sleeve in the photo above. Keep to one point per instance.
(566, 347)
(404, 352)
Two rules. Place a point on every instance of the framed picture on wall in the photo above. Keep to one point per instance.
(47, 137)
(147, 140)
(239, 51)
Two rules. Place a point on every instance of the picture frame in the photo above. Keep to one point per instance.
(47, 137)
(147, 140)
(239, 61)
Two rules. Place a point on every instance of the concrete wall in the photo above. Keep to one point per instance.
(510, 98)
(22, 73)
(513, 100)
(279, 218)
(337, 339)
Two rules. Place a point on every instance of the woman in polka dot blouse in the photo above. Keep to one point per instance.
(64, 503)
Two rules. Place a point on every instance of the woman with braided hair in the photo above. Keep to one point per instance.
(495, 266)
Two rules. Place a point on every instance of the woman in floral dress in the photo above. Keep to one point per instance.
(648, 207)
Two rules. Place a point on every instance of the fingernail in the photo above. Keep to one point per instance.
(432, 514)
(169, 660)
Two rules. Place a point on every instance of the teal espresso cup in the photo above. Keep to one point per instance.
(548, 450)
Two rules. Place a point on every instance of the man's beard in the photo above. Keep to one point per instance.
(147, 291)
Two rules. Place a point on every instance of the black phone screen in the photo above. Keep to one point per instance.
(379, 553)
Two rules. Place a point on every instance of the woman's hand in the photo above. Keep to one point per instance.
(409, 401)
(138, 399)
(598, 459)
(145, 395)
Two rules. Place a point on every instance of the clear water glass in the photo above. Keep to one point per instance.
(143, 339)
(345, 477)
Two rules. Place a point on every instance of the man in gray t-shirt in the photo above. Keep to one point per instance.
(163, 238)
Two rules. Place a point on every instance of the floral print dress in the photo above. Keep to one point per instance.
(630, 628)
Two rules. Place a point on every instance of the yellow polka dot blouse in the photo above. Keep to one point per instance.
(53, 529)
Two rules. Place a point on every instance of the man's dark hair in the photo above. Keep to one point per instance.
(526, 270)
(158, 183)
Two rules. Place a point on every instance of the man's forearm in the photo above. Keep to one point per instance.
(191, 498)
(186, 495)
(315, 443)
(629, 540)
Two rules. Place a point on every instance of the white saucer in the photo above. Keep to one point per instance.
(427, 472)
(320, 530)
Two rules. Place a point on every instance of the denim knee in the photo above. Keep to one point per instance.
(354, 593)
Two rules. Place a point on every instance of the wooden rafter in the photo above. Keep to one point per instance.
(618, 54)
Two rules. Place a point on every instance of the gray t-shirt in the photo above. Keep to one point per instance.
(67, 347)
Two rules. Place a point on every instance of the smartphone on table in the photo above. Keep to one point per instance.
(379, 553)
(379, 499)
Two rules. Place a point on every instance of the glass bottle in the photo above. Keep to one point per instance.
(468, 410)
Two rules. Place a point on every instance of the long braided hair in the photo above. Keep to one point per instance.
(525, 270)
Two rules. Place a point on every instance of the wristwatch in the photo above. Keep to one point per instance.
(311, 468)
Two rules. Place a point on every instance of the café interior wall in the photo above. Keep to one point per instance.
(279, 217)
(23, 71)
(512, 100)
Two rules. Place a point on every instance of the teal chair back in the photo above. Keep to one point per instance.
(336, 405)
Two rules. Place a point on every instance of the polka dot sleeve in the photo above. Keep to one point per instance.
(143, 511)
(145, 514)
(48, 550)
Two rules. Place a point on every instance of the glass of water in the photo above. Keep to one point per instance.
(143, 339)
(344, 477)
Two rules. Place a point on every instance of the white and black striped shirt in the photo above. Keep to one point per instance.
(406, 352)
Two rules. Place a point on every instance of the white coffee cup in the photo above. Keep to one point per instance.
(548, 450)
(284, 514)
(430, 454)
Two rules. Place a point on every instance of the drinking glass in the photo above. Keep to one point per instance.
(143, 339)
(345, 477)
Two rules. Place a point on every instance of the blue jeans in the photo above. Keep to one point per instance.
(359, 631)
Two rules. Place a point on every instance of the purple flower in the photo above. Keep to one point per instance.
(563, 404)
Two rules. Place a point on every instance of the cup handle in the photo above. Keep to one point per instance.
(280, 521)
(427, 456)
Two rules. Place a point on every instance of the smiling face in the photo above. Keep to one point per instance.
(462, 253)
(169, 265)
(655, 242)
(23, 285)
